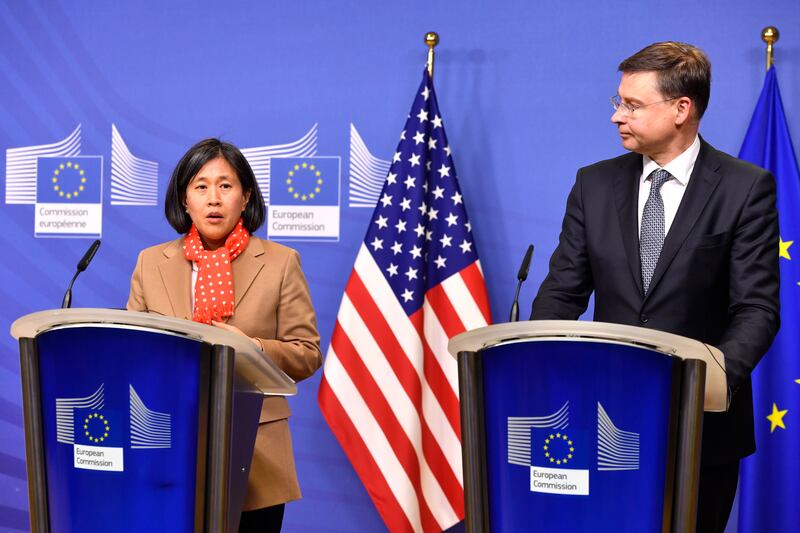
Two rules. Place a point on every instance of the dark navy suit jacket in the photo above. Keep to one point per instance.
(716, 280)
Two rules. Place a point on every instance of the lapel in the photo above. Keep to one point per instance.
(702, 184)
(176, 275)
(246, 267)
(626, 196)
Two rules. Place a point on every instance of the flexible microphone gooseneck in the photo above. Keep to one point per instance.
(66, 303)
(521, 276)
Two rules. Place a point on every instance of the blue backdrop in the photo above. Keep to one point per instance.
(523, 87)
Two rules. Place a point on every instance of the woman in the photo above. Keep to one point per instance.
(218, 273)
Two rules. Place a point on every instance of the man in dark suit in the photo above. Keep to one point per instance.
(679, 237)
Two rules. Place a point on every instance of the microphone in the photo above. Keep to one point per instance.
(66, 303)
(522, 275)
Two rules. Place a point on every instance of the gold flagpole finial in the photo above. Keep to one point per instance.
(770, 35)
(431, 39)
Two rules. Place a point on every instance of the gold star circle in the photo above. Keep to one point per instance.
(554, 457)
(62, 173)
(295, 177)
(90, 434)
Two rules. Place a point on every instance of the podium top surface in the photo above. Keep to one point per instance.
(253, 365)
(716, 392)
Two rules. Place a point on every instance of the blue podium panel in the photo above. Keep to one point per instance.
(577, 436)
(121, 409)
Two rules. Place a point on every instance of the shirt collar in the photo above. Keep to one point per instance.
(680, 168)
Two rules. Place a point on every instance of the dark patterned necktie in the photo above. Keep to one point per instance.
(651, 237)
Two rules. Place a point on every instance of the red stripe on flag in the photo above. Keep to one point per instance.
(435, 457)
(445, 312)
(376, 402)
(407, 375)
(384, 335)
(447, 399)
(477, 288)
(361, 459)
(436, 378)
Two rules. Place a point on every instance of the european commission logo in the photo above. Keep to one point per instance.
(560, 458)
(134, 181)
(99, 435)
(69, 193)
(66, 187)
(304, 198)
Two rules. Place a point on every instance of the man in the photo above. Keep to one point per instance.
(679, 237)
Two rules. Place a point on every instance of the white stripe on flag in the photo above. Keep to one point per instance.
(373, 357)
(375, 360)
(376, 284)
(379, 447)
(409, 340)
(463, 302)
(437, 340)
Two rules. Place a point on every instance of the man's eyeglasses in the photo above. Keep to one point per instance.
(629, 109)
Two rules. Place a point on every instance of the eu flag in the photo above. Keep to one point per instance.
(75, 179)
(304, 181)
(770, 479)
(564, 448)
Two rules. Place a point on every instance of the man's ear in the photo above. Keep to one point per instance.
(684, 110)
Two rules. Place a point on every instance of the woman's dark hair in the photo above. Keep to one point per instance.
(188, 167)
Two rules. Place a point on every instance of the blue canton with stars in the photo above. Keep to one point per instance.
(419, 234)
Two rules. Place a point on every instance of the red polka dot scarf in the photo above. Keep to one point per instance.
(213, 291)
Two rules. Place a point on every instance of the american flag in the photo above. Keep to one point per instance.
(389, 390)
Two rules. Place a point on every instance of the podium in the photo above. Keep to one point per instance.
(138, 422)
(583, 426)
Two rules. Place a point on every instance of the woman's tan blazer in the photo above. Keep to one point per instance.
(272, 303)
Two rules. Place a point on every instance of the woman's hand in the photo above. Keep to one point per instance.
(234, 329)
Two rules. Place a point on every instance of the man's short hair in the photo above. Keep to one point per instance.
(681, 70)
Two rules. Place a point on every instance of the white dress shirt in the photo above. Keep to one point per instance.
(672, 191)
(195, 268)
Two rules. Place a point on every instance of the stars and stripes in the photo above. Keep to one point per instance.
(390, 388)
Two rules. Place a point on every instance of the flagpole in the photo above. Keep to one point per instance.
(769, 35)
(432, 39)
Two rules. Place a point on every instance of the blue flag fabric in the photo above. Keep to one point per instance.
(65, 180)
(304, 181)
(770, 479)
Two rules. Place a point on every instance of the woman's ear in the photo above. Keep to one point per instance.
(246, 199)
